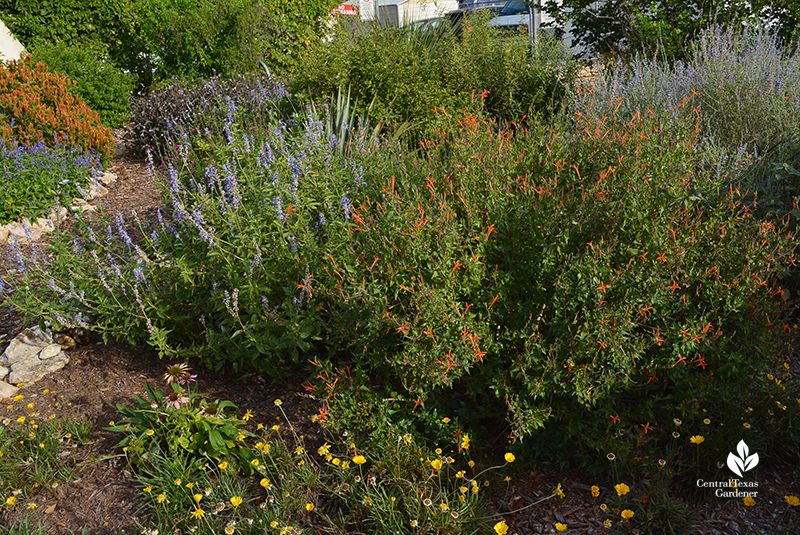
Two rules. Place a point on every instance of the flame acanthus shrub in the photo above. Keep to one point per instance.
(36, 104)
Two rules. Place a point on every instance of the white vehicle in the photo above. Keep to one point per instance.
(527, 16)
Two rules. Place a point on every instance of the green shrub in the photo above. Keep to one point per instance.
(36, 104)
(94, 24)
(399, 68)
(410, 74)
(101, 85)
(515, 81)
(188, 39)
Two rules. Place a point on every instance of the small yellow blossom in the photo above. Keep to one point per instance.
(197, 497)
(509, 457)
(223, 465)
(558, 491)
(254, 462)
(236, 501)
(446, 420)
(561, 527)
(161, 498)
(622, 489)
(748, 501)
(198, 513)
(147, 488)
(259, 445)
(273, 524)
(150, 432)
(336, 461)
(259, 427)
(706, 421)
(21, 419)
(595, 491)
(278, 402)
(436, 464)
(359, 459)
(794, 501)
(276, 427)
(18, 397)
(324, 450)
(471, 464)
(265, 483)
(697, 439)
(627, 514)
(247, 415)
(465, 442)
(501, 528)
(309, 506)
(190, 485)
(606, 523)
(746, 425)
(11, 500)
(31, 506)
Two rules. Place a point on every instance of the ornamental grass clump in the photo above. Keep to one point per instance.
(37, 105)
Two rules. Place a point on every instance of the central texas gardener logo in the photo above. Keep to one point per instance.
(743, 462)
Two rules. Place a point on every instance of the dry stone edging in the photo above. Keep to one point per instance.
(30, 356)
(27, 231)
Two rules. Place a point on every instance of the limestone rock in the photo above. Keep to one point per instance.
(107, 179)
(80, 205)
(7, 390)
(49, 352)
(24, 231)
(32, 355)
(97, 190)
(3, 235)
(58, 216)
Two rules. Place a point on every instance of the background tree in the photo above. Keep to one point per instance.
(621, 27)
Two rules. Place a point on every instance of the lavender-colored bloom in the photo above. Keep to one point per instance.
(138, 272)
(346, 206)
(276, 201)
(122, 231)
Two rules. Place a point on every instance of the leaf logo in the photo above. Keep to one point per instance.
(741, 464)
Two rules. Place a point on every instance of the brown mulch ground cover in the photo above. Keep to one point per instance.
(102, 498)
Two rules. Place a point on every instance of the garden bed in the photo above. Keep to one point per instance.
(104, 498)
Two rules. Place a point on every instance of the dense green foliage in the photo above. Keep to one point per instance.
(161, 39)
(407, 74)
(101, 85)
(93, 24)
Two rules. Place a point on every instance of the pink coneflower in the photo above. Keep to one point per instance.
(175, 400)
